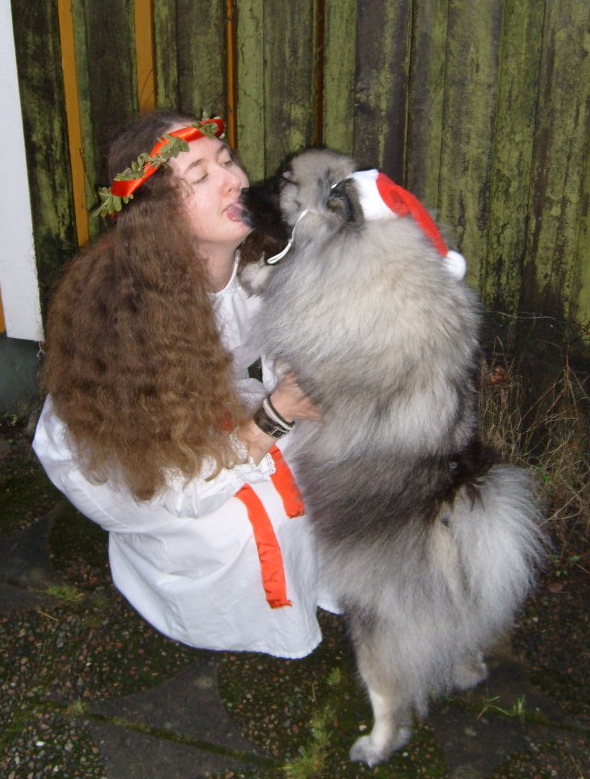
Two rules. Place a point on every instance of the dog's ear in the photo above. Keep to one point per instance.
(343, 201)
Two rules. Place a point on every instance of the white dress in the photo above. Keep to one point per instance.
(188, 560)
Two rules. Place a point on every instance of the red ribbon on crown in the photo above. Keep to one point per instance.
(188, 134)
(170, 145)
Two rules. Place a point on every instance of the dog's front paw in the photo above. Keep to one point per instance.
(367, 750)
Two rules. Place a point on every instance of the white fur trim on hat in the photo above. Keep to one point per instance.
(373, 205)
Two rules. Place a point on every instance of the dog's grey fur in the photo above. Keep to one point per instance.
(430, 545)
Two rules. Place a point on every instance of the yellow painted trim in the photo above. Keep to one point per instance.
(68, 59)
(144, 55)
(231, 77)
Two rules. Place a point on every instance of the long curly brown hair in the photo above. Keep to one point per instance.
(134, 363)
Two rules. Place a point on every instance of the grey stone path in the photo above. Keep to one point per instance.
(187, 707)
(180, 728)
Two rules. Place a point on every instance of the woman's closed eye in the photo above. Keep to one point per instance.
(223, 163)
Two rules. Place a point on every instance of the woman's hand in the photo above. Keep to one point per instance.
(292, 403)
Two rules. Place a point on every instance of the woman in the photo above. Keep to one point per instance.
(154, 426)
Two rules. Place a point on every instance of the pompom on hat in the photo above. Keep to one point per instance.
(381, 198)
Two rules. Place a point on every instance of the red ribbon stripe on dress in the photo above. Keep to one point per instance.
(269, 551)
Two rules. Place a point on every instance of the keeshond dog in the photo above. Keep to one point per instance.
(430, 543)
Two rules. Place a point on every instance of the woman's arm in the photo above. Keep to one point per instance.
(202, 495)
(291, 403)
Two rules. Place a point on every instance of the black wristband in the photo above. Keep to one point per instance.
(279, 417)
(268, 425)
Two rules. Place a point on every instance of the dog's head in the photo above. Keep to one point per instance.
(303, 182)
(369, 196)
(328, 185)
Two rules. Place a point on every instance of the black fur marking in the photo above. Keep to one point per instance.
(261, 202)
(466, 469)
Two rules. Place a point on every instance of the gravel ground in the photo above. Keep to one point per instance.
(72, 647)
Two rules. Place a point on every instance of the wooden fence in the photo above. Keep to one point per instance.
(482, 109)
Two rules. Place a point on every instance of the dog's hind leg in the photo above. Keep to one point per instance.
(391, 712)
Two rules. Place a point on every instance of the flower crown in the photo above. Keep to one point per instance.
(170, 145)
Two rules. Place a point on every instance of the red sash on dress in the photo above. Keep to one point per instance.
(269, 552)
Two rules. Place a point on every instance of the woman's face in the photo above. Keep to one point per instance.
(215, 181)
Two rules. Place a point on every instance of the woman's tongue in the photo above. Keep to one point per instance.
(234, 212)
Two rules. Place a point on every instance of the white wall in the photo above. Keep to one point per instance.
(18, 272)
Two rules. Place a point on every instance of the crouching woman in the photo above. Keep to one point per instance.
(155, 425)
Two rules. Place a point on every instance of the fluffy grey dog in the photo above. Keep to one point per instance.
(430, 543)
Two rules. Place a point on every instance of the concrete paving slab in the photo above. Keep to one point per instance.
(185, 709)
(24, 555)
(130, 755)
(13, 598)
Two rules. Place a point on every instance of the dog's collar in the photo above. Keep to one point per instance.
(278, 257)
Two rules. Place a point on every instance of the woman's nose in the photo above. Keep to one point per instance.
(232, 180)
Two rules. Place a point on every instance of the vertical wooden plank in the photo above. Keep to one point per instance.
(88, 151)
(109, 52)
(426, 99)
(275, 45)
(383, 45)
(36, 33)
(289, 40)
(561, 155)
(512, 154)
(191, 52)
(339, 62)
(144, 54)
(471, 93)
(201, 43)
(251, 126)
(580, 306)
(68, 56)
(166, 54)
(319, 15)
(18, 272)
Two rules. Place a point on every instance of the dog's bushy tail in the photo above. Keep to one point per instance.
(500, 544)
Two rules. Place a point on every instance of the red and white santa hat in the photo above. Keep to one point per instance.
(381, 198)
